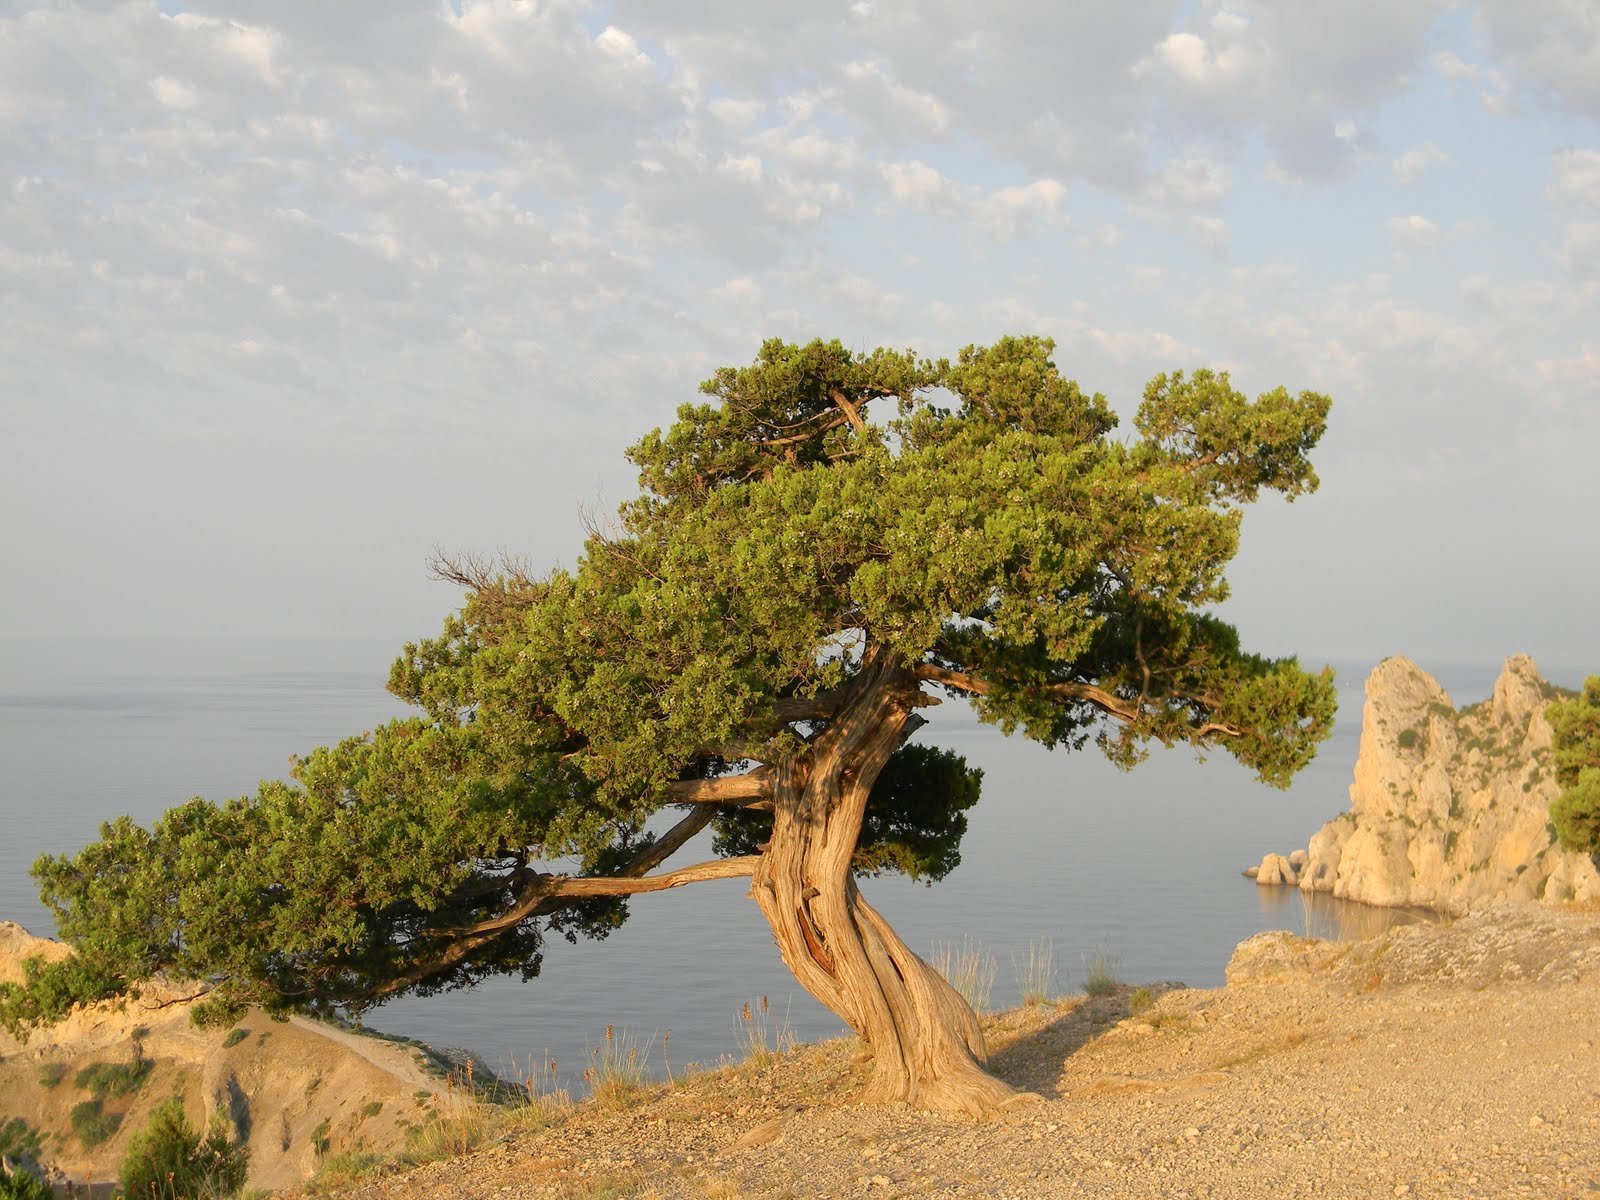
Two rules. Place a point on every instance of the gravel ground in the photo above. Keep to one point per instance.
(1436, 1061)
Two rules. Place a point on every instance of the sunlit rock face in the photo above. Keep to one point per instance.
(1449, 809)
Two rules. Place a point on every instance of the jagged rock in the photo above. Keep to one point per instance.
(1448, 809)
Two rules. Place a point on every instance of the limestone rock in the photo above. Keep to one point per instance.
(1449, 809)
(286, 1087)
(1276, 869)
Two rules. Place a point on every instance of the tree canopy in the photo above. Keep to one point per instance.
(827, 544)
(1576, 725)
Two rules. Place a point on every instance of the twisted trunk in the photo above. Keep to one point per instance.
(925, 1040)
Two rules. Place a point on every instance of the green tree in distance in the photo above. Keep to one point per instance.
(750, 647)
(1576, 724)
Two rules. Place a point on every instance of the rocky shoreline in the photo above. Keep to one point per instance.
(1449, 809)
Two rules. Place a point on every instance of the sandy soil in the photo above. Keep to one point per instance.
(1455, 1061)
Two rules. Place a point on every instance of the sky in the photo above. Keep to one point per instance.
(293, 295)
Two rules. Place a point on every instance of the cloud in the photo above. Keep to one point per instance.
(1550, 47)
(1415, 231)
(1417, 160)
(1297, 74)
(1574, 193)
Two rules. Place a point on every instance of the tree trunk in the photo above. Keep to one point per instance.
(925, 1039)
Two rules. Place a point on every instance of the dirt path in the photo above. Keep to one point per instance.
(1431, 1062)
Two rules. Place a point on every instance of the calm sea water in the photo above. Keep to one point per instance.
(1143, 867)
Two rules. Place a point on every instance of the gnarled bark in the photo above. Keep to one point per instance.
(925, 1040)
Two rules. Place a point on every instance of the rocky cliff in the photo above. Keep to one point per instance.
(295, 1092)
(1448, 809)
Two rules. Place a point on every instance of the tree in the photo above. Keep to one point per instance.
(1576, 725)
(751, 646)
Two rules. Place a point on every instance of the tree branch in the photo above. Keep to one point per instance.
(724, 789)
(670, 842)
(851, 411)
(1108, 703)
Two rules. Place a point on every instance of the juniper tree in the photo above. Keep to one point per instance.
(827, 546)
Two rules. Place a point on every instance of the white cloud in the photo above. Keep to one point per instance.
(1416, 161)
(1413, 230)
(1451, 66)
(1212, 233)
(173, 93)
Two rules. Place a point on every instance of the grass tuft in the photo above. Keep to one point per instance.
(1036, 975)
(970, 969)
(616, 1070)
(1100, 973)
(761, 1040)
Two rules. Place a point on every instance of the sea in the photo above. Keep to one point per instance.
(1064, 854)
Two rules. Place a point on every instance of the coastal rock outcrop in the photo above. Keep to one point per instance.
(294, 1091)
(1449, 809)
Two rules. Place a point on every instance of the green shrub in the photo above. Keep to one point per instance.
(235, 1036)
(18, 1183)
(51, 1074)
(1141, 999)
(104, 1080)
(92, 1125)
(19, 1140)
(170, 1154)
(1407, 739)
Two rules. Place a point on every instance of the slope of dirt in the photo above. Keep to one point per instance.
(295, 1091)
(1435, 1061)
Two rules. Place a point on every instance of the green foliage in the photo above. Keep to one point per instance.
(235, 1036)
(19, 1140)
(51, 1074)
(1576, 724)
(171, 1155)
(984, 529)
(1140, 999)
(50, 990)
(1408, 739)
(19, 1183)
(93, 1124)
(106, 1080)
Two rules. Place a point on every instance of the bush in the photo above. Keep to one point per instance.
(104, 1080)
(235, 1036)
(92, 1125)
(18, 1139)
(170, 1157)
(17, 1183)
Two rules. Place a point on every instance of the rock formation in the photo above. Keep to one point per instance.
(1448, 810)
(294, 1092)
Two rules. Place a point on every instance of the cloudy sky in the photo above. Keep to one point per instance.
(292, 293)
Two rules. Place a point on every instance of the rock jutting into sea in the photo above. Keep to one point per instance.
(1449, 809)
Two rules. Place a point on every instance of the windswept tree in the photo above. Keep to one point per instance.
(826, 547)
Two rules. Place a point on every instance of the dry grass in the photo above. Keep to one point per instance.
(969, 969)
